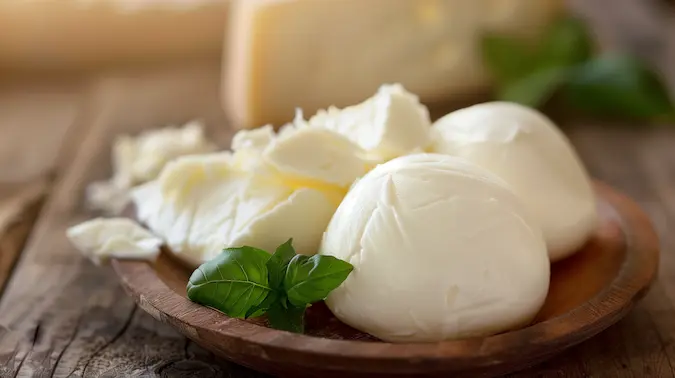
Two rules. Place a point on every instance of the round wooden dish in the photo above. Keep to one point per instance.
(589, 292)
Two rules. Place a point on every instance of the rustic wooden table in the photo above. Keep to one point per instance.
(61, 316)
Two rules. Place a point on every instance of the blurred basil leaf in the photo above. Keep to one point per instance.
(508, 59)
(535, 89)
(618, 85)
(567, 42)
(615, 85)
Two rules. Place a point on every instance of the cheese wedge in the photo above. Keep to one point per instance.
(283, 54)
(69, 34)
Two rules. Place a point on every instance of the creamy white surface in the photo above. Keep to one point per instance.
(202, 204)
(101, 239)
(317, 154)
(441, 249)
(391, 123)
(534, 157)
(138, 159)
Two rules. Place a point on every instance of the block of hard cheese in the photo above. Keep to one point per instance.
(65, 34)
(284, 54)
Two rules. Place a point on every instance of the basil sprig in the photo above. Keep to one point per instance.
(248, 282)
(609, 84)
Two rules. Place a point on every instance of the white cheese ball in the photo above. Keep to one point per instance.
(441, 249)
(525, 149)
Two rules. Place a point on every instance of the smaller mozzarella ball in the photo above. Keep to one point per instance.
(441, 249)
(526, 150)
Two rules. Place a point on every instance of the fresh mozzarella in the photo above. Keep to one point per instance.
(534, 157)
(139, 159)
(202, 204)
(389, 124)
(317, 154)
(441, 249)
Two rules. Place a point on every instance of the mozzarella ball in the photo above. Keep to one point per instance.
(526, 150)
(441, 249)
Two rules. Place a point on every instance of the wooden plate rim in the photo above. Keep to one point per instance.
(634, 279)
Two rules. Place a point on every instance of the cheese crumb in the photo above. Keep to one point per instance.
(140, 159)
(102, 239)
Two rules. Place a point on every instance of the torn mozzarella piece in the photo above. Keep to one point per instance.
(106, 196)
(139, 159)
(201, 204)
(534, 157)
(151, 150)
(121, 238)
(248, 146)
(317, 154)
(255, 138)
(391, 123)
(448, 240)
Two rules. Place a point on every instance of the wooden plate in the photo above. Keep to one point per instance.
(589, 292)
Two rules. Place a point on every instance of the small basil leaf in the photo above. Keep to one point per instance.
(535, 89)
(289, 318)
(277, 264)
(567, 42)
(310, 279)
(620, 86)
(260, 309)
(233, 282)
(507, 59)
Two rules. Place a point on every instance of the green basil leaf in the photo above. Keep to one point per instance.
(618, 85)
(233, 282)
(277, 264)
(262, 308)
(506, 58)
(535, 89)
(289, 318)
(310, 279)
(567, 42)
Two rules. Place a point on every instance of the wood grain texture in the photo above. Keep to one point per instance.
(60, 316)
(13, 239)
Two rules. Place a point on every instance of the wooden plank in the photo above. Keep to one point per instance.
(35, 117)
(34, 121)
(62, 316)
(13, 239)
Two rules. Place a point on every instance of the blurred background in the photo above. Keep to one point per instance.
(75, 72)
